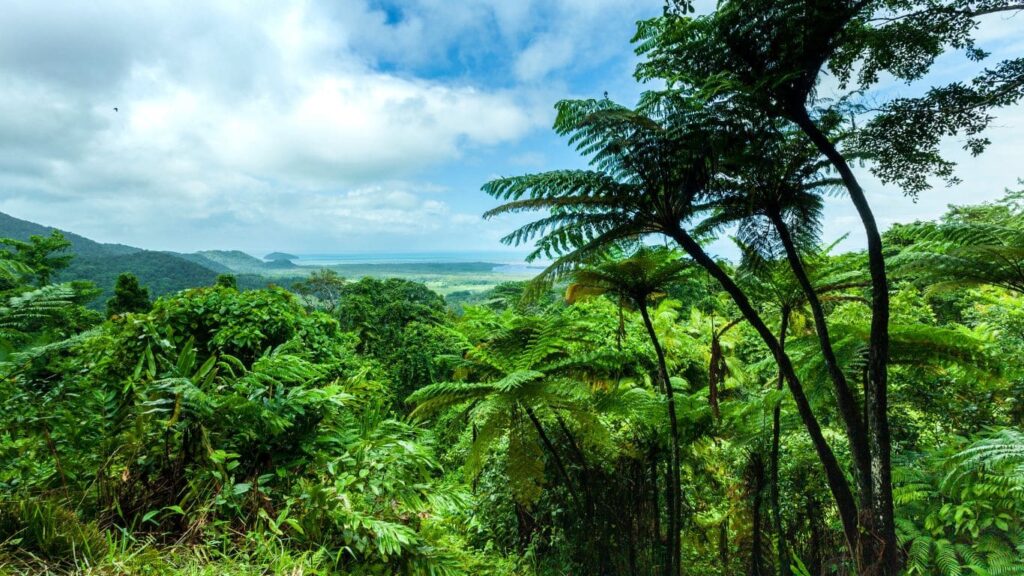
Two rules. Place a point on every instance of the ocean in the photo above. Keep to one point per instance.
(327, 259)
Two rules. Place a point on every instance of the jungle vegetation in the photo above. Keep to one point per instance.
(642, 407)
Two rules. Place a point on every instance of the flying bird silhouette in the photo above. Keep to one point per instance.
(115, 109)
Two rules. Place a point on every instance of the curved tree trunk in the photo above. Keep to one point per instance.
(879, 522)
(856, 435)
(559, 465)
(673, 492)
(837, 483)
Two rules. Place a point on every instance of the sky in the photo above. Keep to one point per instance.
(339, 126)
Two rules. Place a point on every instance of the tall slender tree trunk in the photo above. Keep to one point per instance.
(673, 492)
(846, 401)
(834, 475)
(773, 480)
(476, 477)
(655, 510)
(879, 521)
(723, 542)
(631, 558)
(524, 527)
(590, 512)
(814, 523)
(856, 428)
(559, 465)
(757, 546)
(757, 543)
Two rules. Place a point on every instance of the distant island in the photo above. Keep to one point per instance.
(275, 256)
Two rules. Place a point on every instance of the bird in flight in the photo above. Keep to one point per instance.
(115, 109)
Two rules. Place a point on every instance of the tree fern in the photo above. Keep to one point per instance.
(983, 245)
(519, 371)
(963, 514)
(1002, 451)
(33, 309)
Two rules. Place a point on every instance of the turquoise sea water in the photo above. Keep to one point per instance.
(327, 259)
(504, 262)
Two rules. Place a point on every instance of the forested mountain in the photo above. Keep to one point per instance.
(204, 261)
(162, 272)
(11, 227)
(230, 261)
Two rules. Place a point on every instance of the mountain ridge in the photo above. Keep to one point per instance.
(162, 271)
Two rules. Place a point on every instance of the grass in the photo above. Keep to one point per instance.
(126, 556)
(42, 536)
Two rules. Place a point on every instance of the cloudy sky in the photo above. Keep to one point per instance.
(318, 126)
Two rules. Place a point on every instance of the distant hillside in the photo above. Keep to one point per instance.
(280, 256)
(11, 227)
(169, 272)
(280, 265)
(203, 261)
(161, 272)
(233, 260)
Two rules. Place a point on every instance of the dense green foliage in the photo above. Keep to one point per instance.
(45, 256)
(129, 296)
(217, 413)
(237, 432)
(798, 412)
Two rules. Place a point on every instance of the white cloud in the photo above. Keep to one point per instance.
(543, 56)
(504, 35)
(309, 124)
(222, 109)
(244, 123)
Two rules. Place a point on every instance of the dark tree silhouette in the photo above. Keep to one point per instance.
(129, 296)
